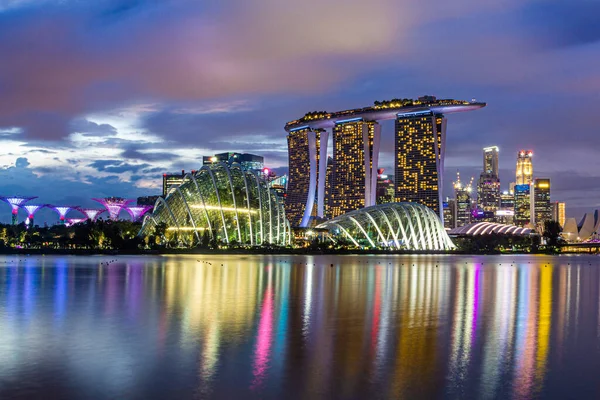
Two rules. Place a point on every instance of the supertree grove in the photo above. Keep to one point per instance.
(31, 210)
(16, 202)
(137, 212)
(62, 211)
(113, 205)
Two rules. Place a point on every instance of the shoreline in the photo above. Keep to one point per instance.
(85, 252)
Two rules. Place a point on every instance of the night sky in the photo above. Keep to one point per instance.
(99, 98)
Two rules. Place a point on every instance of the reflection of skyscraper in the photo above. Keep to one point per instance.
(419, 162)
(541, 201)
(524, 167)
(355, 158)
(307, 167)
(522, 205)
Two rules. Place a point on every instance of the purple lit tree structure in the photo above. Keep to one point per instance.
(113, 205)
(62, 212)
(31, 210)
(16, 202)
(73, 221)
(138, 212)
(91, 213)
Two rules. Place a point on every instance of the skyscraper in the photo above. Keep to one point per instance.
(541, 202)
(307, 152)
(355, 159)
(522, 205)
(488, 187)
(559, 212)
(462, 194)
(419, 149)
(385, 187)
(506, 212)
(524, 174)
(490, 160)
(450, 213)
(171, 181)
(351, 178)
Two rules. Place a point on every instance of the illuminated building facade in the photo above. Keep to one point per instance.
(524, 173)
(488, 187)
(171, 181)
(279, 185)
(385, 188)
(488, 192)
(392, 225)
(355, 159)
(559, 212)
(449, 213)
(245, 160)
(462, 196)
(490, 160)
(420, 128)
(15, 202)
(224, 204)
(541, 202)
(522, 205)
(419, 161)
(307, 152)
(506, 212)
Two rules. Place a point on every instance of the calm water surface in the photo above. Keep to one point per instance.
(295, 327)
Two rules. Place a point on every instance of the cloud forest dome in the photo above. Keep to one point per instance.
(408, 226)
(226, 203)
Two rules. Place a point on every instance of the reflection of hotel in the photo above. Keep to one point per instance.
(419, 160)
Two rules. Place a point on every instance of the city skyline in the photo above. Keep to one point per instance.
(86, 119)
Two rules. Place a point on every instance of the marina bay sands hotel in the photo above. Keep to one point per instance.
(322, 188)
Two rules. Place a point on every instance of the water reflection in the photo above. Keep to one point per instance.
(399, 327)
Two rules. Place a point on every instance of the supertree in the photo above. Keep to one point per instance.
(137, 212)
(62, 211)
(31, 210)
(113, 205)
(16, 202)
(91, 213)
(73, 221)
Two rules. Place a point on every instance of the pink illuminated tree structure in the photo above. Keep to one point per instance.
(113, 205)
(31, 210)
(16, 202)
(91, 213)
(137, 212)
(62, 211)
(73, 221)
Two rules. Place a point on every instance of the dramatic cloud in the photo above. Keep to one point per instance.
(104, 96)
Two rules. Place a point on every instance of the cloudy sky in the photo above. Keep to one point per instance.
(98, 98)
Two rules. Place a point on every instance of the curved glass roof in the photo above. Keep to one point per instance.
(407, 226)
(486, 228)
(223, 203)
